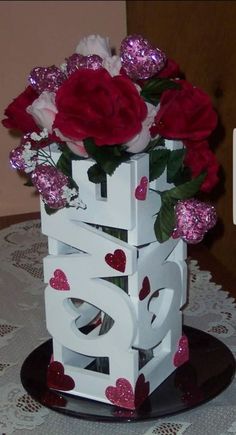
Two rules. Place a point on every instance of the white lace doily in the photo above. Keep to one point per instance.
(22, 328)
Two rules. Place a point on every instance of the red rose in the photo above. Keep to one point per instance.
(92, 104)
(171, 69)
(17, 117)
(185, 113)
(200, 158)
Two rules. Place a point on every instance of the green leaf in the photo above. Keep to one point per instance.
(175, 164)
(165, 221)
(49, 210)
(96, 174)
(186, 190)
(159, 142)
(153, 88)
(107, 157)
(64, 163)
(157, 162)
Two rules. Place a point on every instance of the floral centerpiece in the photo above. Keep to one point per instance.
(117, 146)
(108, 108)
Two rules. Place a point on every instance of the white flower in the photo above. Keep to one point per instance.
(112, 65)
(44, 110)
(72, 197)
(141, 140)
(27, 156)
(94, 44)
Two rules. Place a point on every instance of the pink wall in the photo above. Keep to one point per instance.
(39, 33)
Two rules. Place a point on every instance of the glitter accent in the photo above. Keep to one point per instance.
(122, 394)
(117, 260)
(78, 61)
(50, 182)
(141, 189)
(57, 379)
(182, 354)
(46, 78)
(193, 219)
(23, 158)
(145, 290)
(139, 59)
(59, 281)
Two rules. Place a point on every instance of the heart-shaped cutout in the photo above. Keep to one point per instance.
(117, 260)
(59, 281)
(182, 353)
(57, 379)
(123, 395)
(145, 290)
(46, 78)
(78, 61)
(141, 189)
(139, 58)
(51, 399)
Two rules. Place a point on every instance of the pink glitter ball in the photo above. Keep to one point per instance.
(193, 219)
(140, 59)
(49, 182)
(46, 78)
(77, 61)
(16, 158)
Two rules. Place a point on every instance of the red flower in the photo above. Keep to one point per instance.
(17, 117)
(200, 158)
(185, 113)
(92, 104)
(171, 69)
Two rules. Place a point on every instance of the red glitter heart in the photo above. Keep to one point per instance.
(123, 395)
(141, 189)
(182, 354)
(117, 260)
(145, 290)
(59, 281)
(57, 379)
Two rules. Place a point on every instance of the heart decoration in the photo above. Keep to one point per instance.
(141, 189)
(46, 78)
(182, 353)
(57, 379)
(59, 281)
(117, 260)
(145, 290)
(78, 61)
(123, 395)
(140, 59)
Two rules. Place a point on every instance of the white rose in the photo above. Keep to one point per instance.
(141, 140)
(77, 147)
(112, 65)
(94, 44)
(44, 110)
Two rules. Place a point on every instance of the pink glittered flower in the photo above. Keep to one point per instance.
(193, 219)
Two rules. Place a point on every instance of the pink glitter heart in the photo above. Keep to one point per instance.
(49, 181)
(140, 60)
(117, 260)
(123, 395)
(141, 189)
(57, 379)
(78, 61)
(59, 281)
(145, 290)
(46, 78)
(182, 354)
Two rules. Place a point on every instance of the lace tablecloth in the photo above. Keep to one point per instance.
(22, 329)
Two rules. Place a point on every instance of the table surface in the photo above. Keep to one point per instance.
(22, 329)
